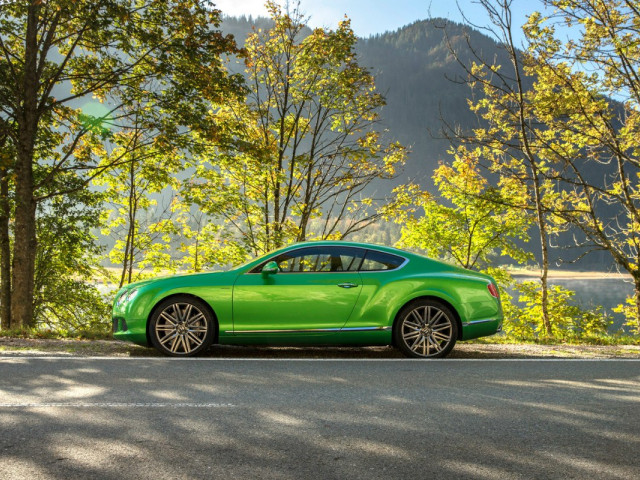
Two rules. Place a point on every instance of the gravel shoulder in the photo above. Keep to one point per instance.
(12, 347)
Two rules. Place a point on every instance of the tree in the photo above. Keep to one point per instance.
(57, 54)
(305, 142)
(470, 223)
(65, 298)
(569, 320)
(509, 137)
(151, 159)
(587, 95)
(200, 242)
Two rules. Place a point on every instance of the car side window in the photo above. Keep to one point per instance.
(312, 261)
(376, 261)
(318, 259)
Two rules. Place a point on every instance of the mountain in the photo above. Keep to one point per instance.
(420, 79)
(422, 82)
(423, 85)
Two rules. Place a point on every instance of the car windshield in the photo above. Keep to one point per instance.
(251, 260)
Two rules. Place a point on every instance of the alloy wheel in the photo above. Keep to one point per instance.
(427, 331)
(181, 329)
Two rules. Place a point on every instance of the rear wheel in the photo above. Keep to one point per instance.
(425, 329)
(181, 327)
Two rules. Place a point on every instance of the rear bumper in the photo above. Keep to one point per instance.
(481, 328)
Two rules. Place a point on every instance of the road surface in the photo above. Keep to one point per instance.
(119, 418)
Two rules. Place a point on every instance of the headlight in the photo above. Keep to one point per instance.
(119, 297)
(129, 296)
(126, 296)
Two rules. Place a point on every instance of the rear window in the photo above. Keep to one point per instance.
(375, 261)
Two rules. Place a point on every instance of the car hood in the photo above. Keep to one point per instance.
(213, 277)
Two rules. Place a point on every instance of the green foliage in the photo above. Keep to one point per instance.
(301, 149)
(204, 243)
(141, 227)
(73, 308)
(569, 320)
(585, 98)
(67, 301)
(153, 64)
(106, 61)
(479, 224)
(630, 311)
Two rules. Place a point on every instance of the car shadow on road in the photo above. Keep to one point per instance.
(462, 351)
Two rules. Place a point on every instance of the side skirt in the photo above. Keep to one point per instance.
(360, 336)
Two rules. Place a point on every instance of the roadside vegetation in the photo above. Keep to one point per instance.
(125, 139)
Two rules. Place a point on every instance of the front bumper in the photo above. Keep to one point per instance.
(119, 324)
(123, 331)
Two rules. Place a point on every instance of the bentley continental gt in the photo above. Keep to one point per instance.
(314, 293)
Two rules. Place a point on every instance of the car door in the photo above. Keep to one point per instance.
(313, 292)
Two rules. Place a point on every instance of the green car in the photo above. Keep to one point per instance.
(314, 293)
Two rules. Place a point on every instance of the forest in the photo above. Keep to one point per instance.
(144, 138)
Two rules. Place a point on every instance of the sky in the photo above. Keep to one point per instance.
(369, 17)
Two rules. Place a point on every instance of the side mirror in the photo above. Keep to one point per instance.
(270, 268)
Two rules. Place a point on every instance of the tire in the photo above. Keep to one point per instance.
(182, 326)
(425, 329)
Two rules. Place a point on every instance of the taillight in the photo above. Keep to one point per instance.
(493, 290)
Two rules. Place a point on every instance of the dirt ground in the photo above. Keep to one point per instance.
(112, 348)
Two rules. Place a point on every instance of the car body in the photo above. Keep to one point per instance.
(314, 293)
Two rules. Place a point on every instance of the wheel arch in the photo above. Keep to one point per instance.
(190, 295)
(446, 303)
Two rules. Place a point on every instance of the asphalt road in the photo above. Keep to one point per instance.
(313, 419)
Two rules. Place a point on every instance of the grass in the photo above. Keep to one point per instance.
(613, 339)
(601, 340)
(44, 334)
(104, 333)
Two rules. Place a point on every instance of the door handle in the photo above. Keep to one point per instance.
(347, 285)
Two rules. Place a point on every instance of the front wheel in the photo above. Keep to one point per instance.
(181, 327)
(425, 329)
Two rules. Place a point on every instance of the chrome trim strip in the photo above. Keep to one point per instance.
(363, 329)
(313, 330)
(475, 322)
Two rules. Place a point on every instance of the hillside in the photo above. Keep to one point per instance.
(416, 72)
(421, 80)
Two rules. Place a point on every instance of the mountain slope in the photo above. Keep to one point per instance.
(423, 85)
(416, 72)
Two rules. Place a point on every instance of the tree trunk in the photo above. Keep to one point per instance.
(542, 226)
(24, 245)
(196, 267)
(5, 253)
(127, 264)
(636, 279)
(543, 282)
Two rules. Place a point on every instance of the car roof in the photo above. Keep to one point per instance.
(415, 257)
(344, 243)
